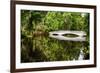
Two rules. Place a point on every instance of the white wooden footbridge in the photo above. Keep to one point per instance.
(60, 33)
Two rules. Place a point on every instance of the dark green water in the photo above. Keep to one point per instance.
(44, 48)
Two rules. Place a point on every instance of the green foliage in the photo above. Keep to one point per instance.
(36, 46)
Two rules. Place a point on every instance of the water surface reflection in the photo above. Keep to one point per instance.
(45, 48)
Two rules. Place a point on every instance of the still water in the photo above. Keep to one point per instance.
(45, 48)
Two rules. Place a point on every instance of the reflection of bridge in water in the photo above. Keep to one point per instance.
(60, 35)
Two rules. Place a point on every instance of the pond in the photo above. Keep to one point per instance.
(43, 48)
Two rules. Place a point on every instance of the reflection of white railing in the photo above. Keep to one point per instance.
(59, 35)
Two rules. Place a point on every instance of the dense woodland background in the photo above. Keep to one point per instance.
(36, 46)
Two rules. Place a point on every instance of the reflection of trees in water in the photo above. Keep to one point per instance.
(30, 52)
(40, 48)
(43, 48)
